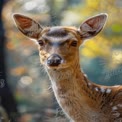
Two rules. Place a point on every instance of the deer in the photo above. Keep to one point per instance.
(80, 99)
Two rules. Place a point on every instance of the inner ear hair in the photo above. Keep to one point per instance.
(27, 26)
(92, 26)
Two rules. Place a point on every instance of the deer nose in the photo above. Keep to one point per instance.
(54, 60)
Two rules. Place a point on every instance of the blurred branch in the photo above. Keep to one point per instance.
(55, 13)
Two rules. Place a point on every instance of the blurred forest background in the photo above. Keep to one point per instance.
(101, 57)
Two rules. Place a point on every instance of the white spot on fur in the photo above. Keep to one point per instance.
(108, 91)
(96, 89)
(116, 114)
(119, 105)
(89, 84)
(102, 89)
(85, 75)
(114, 108)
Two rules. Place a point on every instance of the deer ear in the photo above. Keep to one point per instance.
(92, 26)
(27, 26)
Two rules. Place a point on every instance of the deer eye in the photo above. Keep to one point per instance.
(41, 43)
(74, 43)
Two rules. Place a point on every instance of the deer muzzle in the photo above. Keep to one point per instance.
(54, 60)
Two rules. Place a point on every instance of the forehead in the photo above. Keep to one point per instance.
(58, 33)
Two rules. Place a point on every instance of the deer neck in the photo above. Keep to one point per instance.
(69, 79)
(73, 92)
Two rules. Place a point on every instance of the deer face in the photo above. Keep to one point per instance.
(58, 46)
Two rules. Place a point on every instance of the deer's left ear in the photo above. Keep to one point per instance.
(92, 26)
(27, 26)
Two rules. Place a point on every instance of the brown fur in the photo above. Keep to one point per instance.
(80, 99)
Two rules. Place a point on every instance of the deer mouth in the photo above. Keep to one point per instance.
(55, 65)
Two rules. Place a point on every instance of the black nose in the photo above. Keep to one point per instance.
(54, 60)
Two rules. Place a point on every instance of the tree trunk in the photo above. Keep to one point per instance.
(7, 100)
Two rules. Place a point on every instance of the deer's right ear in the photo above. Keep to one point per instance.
(27, 26)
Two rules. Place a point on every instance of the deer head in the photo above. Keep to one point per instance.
(59, 46)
